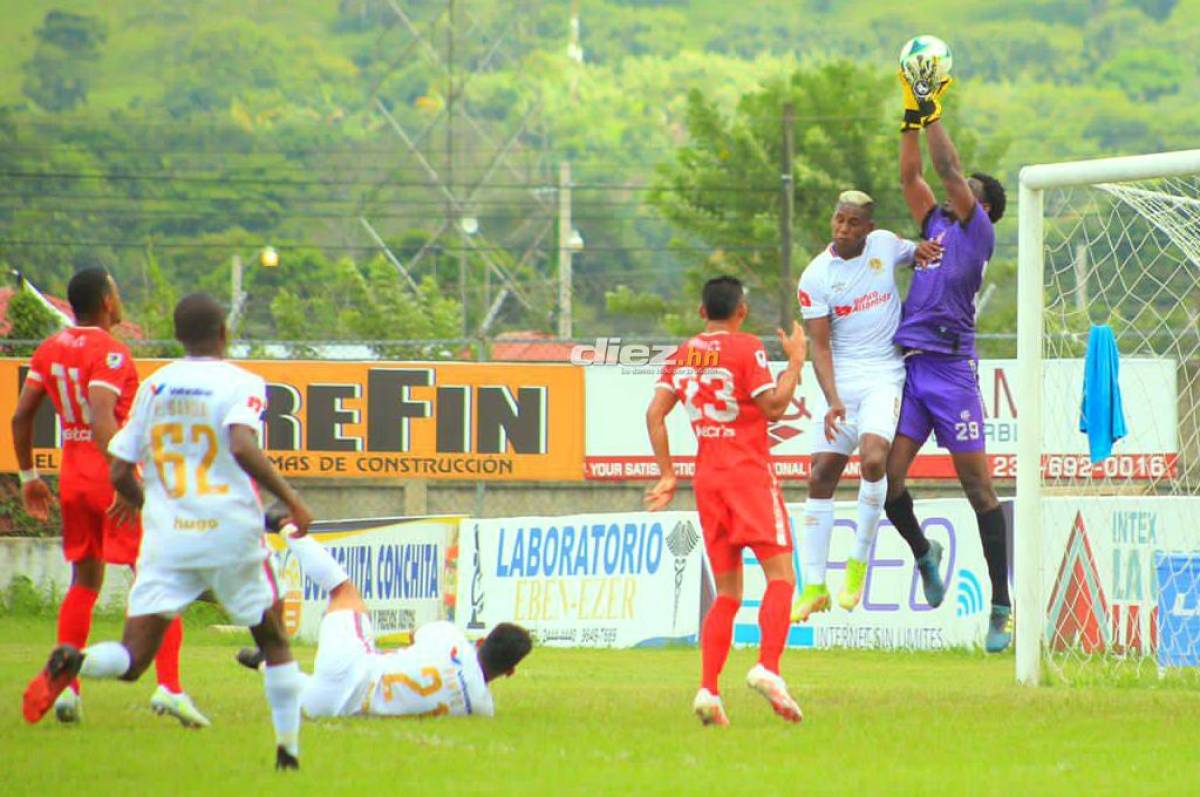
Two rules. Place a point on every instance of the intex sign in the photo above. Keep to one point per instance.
(425, 420)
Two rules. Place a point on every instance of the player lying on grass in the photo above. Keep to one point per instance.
(722, 379)
(440, 673)
(937, 332)
(851, 308)
(90, 379)
(194, 432)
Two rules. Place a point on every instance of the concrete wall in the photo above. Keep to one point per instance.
(355, 498)
(40, 560)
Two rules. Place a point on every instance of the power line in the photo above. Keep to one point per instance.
(352, 247)
(283, 215)
(234, 180)
(357, 202)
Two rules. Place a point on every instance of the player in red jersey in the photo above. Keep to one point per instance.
(722, 379)
(90, 378)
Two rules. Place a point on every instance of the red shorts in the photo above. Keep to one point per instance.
(88, 532)
(741, 508)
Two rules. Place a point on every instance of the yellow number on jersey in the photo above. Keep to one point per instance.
(420, 689)
(176, 484)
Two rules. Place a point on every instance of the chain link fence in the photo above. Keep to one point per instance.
(522, 347)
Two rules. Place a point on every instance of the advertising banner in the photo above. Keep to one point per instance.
(893, 613)
(618, 448)
(613, 580)
(1105, 561)
(376, 419)
(1178, 609)
(405, 570)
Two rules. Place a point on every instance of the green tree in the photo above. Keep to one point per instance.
(1145, 74)
(1157, 9)
(30, 321)
(154, 311)
(722, 189)
(59, 75)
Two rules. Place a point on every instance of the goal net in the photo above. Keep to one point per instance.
(1107, 564)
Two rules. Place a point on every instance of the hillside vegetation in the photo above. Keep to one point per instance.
(161, 138)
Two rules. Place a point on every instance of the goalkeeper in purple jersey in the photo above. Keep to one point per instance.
(937, 334)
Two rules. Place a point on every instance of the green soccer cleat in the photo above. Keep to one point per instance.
(814, 598)
(931, 579)
(856, 579)
(999, 634)
(68, 707)
(166, 703)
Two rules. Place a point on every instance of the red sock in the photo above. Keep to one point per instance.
(75, 619)
(715, 638)
(773, 621)
(166, 663)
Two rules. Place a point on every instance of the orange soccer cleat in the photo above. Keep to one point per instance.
(48, 684)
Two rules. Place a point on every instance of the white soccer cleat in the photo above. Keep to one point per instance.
(179, 706)
(774, 689)
(709, 708)
(68, 707)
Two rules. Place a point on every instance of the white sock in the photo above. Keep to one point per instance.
(316, 562)
(283, 684)
(818, 527)
(870, 506)
(105, 660)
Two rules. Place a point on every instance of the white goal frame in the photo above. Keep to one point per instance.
(1027, 554)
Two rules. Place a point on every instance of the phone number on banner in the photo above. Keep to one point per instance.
(1125, 467)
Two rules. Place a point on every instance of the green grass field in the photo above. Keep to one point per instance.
(618, 722)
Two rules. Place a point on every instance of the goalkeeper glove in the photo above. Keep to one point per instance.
(912, 106)
(920, 112)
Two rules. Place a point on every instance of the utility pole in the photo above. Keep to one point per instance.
(564, 250)
(787, 210)
(451, 205)
(575, 50)
(236, 295)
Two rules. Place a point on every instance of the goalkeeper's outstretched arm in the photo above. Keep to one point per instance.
(945, 162)
(917, 192)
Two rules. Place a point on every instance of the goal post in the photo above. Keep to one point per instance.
(1123, 213)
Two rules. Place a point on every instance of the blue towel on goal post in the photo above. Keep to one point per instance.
(1101, 415)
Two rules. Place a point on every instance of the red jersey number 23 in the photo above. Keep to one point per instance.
(708, 394)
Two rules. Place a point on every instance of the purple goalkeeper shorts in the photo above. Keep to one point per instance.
(941, 393)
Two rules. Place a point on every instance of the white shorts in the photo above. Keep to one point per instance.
(246, 590)
(341, 675)
(872, 407)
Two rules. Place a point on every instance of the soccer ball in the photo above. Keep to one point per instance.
(269, 257)
(926, 62)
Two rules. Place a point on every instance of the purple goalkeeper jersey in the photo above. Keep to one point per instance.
(939, 313)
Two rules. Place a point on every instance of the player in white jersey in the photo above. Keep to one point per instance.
(441, 673)
(851, 308)
(194, 430)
